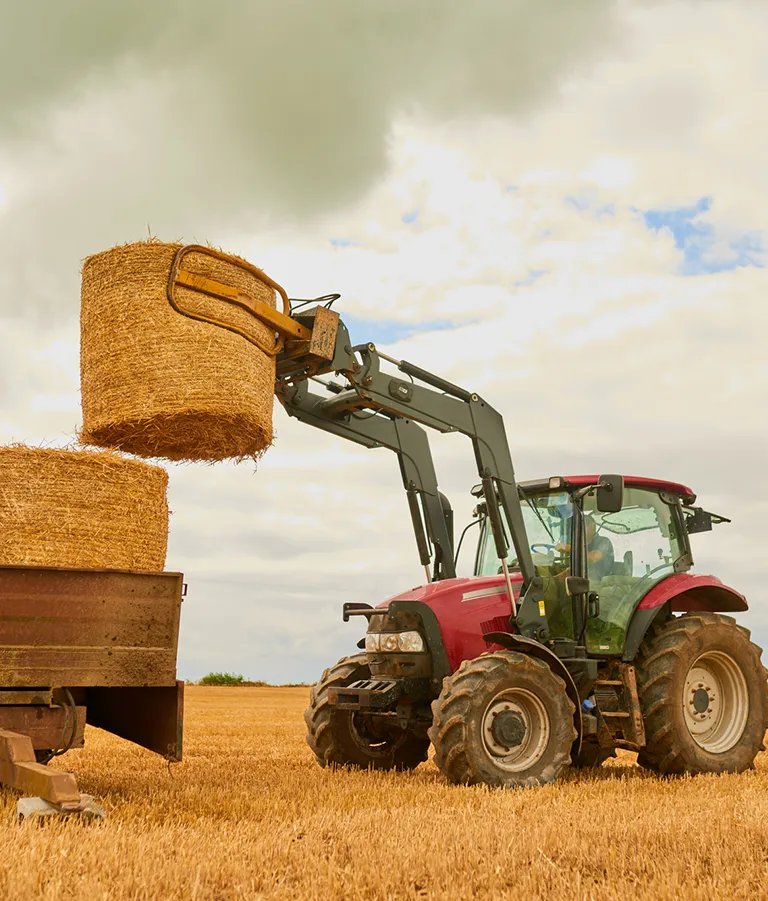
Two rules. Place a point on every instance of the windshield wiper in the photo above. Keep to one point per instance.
(536, 511)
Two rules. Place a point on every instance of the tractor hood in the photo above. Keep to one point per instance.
(462, 611)
(462, 590)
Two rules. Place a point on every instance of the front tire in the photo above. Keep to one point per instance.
(703, 696)
(504, 719)
(348, 738)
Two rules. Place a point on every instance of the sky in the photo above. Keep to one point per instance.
(559, 206)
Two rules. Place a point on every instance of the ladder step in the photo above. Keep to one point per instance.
(614, 713)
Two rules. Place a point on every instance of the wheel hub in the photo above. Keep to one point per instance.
(515, 729)
(715, 702)
(700, 700)
(508, 728)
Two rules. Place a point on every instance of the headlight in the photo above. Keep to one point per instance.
(372, 641)
(389, 641)
(411, 641)
(394, 642)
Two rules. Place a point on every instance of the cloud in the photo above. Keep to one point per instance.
(278, 106)
(195, 121)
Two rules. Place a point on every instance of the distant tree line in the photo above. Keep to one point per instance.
(237, 679)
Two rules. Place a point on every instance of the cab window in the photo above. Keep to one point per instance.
(628, 553)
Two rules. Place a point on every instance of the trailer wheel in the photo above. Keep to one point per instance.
(703, 696)
(347, 738)
(504, 719)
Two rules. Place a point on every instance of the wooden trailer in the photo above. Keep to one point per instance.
(85, 646)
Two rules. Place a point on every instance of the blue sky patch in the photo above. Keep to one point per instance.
(390, 331)
(586, 201)
(533, 275)
(579, 202)
(704, 252)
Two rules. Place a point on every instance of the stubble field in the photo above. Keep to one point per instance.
(249, 814)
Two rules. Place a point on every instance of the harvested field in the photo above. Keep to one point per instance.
(249, 814)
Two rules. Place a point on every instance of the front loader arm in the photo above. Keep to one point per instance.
(437, 404)
(417, 469)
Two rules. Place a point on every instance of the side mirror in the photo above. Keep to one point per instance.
(698, 521)
(610, 494)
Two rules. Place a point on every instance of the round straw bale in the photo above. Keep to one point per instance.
(159, 384)
(86, 509)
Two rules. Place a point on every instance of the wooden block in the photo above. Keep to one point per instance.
(37, 779)
(19, 770)
(15, 747)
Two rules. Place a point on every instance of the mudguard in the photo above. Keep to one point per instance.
(535, 649)
(681, 593)
(688, 591)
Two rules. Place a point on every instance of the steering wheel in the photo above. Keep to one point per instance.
(548, 547)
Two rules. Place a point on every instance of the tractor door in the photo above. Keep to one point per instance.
(547, 518)
(628, 553)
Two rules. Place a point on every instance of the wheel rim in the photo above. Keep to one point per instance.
(716, 702)
(515, 729)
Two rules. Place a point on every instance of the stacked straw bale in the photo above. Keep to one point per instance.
(159, 384)
(86, 509)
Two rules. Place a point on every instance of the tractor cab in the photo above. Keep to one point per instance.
(626, 551)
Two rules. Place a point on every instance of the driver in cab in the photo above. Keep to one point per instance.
(599, 551)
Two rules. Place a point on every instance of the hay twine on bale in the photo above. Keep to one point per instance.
(80, 508)
(158, 384)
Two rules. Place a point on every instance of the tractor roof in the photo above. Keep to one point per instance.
(687, 496)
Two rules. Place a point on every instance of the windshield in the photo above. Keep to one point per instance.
(547, 523)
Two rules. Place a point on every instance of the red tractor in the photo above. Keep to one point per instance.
(581, 631)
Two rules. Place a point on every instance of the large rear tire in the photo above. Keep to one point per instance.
(347, 738)
(703, 696)
(504, 719)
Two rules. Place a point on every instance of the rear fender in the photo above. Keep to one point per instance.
(681, 593)
(687, 591)
(541, 652)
